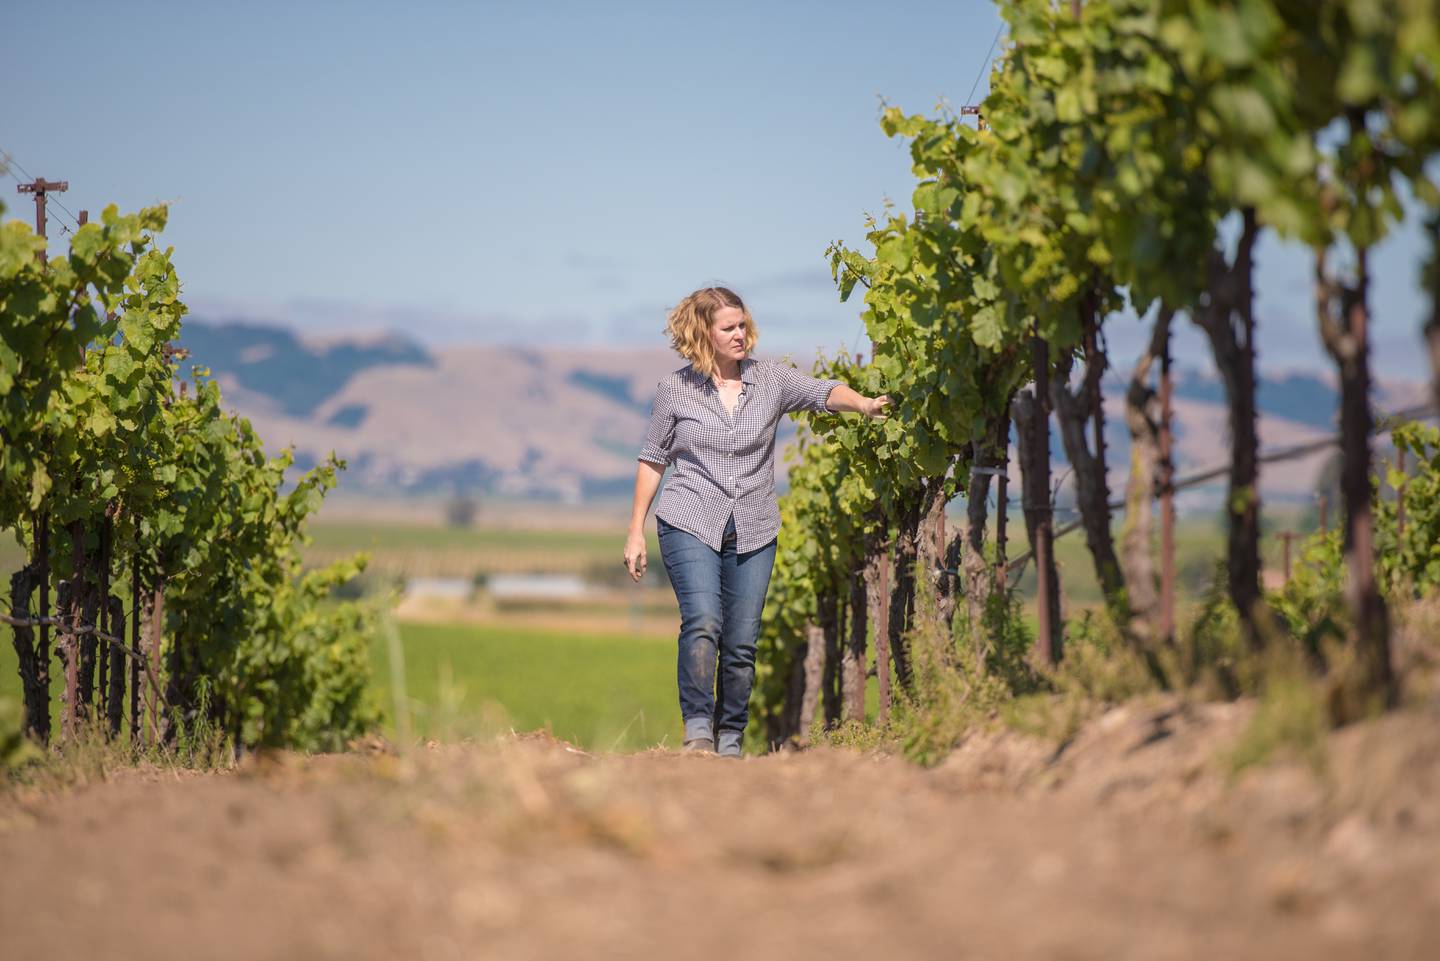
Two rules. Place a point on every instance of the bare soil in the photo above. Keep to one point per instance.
(1132, 840)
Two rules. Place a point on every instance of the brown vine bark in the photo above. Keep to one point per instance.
(852, 663)
(1343, 312)
(33, 666)
(1074, 411)
(67, 646)
(101, 586)
(974, 566)
(877, 599)
(832, 620)
(152, 617)
(115, 693)
(814, 672)
(938, 553)
(1227, 318)
(1143, 415)
(78, 608)
(782, 721)
(1033, 426)
(41, 563)
(930, 545)
(135, 645)
(902, 592)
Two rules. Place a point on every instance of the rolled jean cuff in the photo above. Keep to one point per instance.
(699, 727)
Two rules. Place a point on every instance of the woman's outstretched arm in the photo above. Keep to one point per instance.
(647, 482)
(843, 398)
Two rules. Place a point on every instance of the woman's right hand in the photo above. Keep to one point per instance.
(635, 559)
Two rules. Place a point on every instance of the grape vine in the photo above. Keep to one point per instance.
(1131, 153)
(119, 478)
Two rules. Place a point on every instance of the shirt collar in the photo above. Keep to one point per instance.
(747, 373)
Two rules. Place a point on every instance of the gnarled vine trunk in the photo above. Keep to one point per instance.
(1075, 411)
(902, 590)
(832, 619)
(852, 662)
(877, 600)
(1227, 318)
(974, 566)
(1343, 313)
(152, 628)
(930, 548)
(809, 669)
(1032, 424)
(32, 660)
(1143, 416)
(115, 693)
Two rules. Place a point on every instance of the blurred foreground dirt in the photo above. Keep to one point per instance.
(1129, 843)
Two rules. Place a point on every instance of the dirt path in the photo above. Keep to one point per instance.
(1129, 844)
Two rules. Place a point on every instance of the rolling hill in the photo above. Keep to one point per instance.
(565, 422)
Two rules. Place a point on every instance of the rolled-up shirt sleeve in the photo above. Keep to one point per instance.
(801, 392)
(660, 435)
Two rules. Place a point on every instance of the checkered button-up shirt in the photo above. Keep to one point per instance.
(725, 464)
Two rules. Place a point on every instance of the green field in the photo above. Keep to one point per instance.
(601, 691)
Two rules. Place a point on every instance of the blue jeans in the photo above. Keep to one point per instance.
(721, 595)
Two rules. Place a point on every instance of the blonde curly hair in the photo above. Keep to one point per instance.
(688, 326)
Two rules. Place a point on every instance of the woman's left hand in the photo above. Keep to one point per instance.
(877, 407)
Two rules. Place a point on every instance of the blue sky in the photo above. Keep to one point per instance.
(533, 172)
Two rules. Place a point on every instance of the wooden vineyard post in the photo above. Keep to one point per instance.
(1286, 539)
(115, 695)
(1037, 508)
(154, 629)
(68, 646)
(1002, 508)
(135, 646)
(42, 652)
(882, 638)
(104, 649)
(1167, 499)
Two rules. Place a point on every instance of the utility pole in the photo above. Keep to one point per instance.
(41, 188)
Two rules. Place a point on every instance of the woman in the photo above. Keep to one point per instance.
(715, 420)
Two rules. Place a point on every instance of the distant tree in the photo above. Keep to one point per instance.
(462, 509)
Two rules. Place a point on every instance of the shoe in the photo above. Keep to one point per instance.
(699, 735)
(730, 743)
